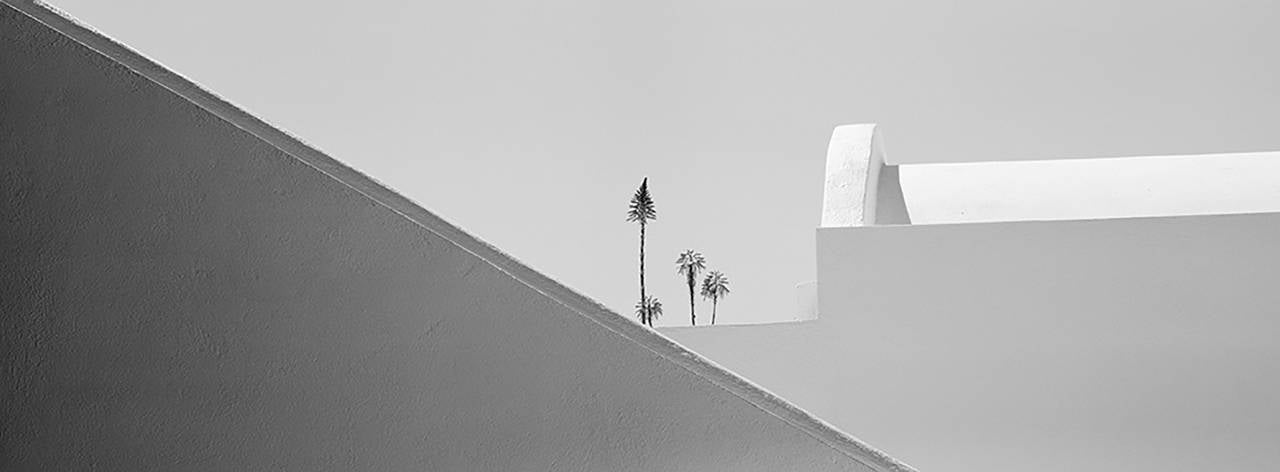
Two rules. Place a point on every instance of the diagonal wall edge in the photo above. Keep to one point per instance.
(381, 195)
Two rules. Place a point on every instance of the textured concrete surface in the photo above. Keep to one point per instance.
(187, 288)
(1110, 345)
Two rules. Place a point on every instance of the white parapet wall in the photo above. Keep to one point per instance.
(1102, 344)
(863, 187)
(1079, 189)
(183, 286)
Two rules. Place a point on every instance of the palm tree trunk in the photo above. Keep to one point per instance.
(693, 315)
(713, 310)
(644, 302)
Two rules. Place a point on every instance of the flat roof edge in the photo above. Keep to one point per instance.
(68, 26)
(1094, 160)
(1050, 221)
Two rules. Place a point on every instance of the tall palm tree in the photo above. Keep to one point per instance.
(715, 287)
(648, 310)
(690, 264)
(642, 211)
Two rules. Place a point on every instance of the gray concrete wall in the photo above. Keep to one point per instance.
(184, 287)
(1112, 345)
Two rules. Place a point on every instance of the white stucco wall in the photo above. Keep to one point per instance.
(1111, 345)
(1067, 189)
(863, 186)
(185, 287)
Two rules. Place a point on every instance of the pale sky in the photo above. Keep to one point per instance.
(530, 124)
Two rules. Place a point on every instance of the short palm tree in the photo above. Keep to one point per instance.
(648, 310)
(690, 264)
(642, 211)
(715, 287)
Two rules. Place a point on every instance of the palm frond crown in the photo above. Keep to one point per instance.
(641, 209)
(650, 306)
(690, 263)
(715, 285)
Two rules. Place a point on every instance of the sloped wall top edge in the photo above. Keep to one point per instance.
(367, 186)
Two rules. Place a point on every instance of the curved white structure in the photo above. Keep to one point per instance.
(861, 188)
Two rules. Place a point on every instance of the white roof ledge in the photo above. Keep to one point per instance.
(1093, 188)
(864, 188)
